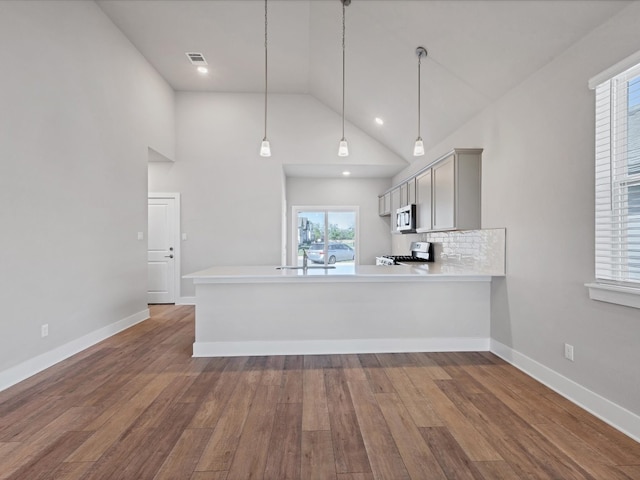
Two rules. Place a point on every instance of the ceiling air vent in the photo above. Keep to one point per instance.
(196, 58)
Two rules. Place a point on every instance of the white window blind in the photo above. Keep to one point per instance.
(618, 179)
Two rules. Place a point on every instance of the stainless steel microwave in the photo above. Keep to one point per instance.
(406, 219)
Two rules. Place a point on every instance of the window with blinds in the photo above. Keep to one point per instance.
(618, 179)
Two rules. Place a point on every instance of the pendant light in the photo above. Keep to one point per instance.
(343, 148)
(418, 148)
(265, 147)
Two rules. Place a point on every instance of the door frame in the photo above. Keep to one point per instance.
(176, 238)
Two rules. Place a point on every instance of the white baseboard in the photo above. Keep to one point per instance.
(186, 301)
(618, 417)
(26, 369)
(327, 347)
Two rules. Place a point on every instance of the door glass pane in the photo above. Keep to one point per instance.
(342, 235)
(633, 126)
(633, 235)
(633, 191)
(311, 236)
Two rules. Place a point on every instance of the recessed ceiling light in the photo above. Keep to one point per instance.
(203, 69)
(346, 173)
(379, 121)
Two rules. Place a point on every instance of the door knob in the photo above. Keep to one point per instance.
(168, 256)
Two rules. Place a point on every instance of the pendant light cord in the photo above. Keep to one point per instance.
(265, 69)
(419, 63)
(343, 63)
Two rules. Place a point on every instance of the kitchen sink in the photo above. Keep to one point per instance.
(311, 267)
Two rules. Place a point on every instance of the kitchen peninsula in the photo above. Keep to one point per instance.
(264, 310)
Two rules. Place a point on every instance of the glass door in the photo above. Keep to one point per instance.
(328, 235)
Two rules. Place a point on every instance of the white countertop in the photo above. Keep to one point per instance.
(433, 272)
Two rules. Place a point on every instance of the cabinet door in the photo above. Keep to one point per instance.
(423, 201)
(411, 191)
(387, 203)
(444, 195)
(403, 195)
(395, 204)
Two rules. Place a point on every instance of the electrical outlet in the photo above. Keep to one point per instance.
(44, 330)
(568, 351)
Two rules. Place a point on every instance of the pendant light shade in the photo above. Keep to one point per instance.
(418, 148)
(265, 146)
(343, 147)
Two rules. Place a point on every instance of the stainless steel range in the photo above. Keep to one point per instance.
(420, 252)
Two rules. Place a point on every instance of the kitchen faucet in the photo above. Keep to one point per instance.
(304, 259)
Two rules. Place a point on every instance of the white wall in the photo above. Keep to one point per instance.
(538, 169)
(373, 230)
(232, 198)
(80, 107)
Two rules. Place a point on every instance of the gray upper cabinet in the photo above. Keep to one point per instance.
(457, 190)
(444, 195)
(423, 201)
(404, 195)
(411, 191)
(408, 192)
(395, 204)
(384, 204)
(447, 193)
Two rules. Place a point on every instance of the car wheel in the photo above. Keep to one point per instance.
(332, 259)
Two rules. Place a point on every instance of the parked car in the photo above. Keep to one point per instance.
(337, 252)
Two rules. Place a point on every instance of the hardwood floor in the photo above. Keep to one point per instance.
(137, 406)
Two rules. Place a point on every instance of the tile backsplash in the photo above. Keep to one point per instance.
(483, 250)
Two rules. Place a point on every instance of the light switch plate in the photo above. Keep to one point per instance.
(568, 351)
(140, 235)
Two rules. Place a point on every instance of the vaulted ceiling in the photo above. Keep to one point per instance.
(478, 51)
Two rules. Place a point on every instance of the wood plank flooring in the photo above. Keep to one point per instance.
(138, 406)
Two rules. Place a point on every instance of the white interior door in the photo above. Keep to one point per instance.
(161, 250)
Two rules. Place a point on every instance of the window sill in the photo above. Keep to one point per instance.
(627, 296)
